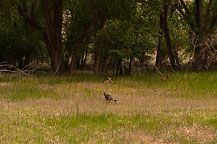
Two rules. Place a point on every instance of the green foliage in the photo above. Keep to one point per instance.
(86, 19)
(120, 29)
(12, 45)
(125, 39)
(17, 39)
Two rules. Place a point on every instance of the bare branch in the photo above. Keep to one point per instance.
(7, 68)
(28, 19)
(186, 17)
(208, 52)
(185, 7)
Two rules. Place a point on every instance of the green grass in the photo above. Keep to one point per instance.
(100, 128)
(31, 93)
(72, 109)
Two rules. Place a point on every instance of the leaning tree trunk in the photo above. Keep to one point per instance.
(167, 36)
(53, 13)
(158, 62)
(52, 36)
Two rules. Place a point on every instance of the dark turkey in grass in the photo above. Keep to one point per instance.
(109, 97)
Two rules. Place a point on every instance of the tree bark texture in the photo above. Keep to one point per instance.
(99, 54)
(158, 63)
(54, 15)
(167, 36)
(201, 32)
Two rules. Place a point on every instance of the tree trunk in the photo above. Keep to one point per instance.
(27, 60)
(158, 63)
(73, 63)
(198, 16)
(53, 14)
(120, 70)
(98, 64)
(85, 57)
(176, 55)
(52, 36)
(200, 59)
(113, 66)
(198, 64)
(100, 53)
(20, 63)
(130, 66)
(203, 26)
(167, 36)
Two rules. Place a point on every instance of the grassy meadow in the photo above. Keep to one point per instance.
(72, 109)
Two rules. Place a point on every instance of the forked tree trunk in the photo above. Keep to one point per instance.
(53, 13)
(52, 36)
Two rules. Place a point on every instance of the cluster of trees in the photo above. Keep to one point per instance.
(113, 34)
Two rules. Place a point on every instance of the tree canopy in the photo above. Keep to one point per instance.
(109, 37)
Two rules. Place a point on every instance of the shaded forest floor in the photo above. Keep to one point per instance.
(39, 109)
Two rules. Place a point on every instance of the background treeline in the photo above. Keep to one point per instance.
(109, 36)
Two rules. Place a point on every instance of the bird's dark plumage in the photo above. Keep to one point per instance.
(108, 97)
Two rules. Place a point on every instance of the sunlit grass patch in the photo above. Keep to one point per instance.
(204, 119)
(105, 127)
(26, 126)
